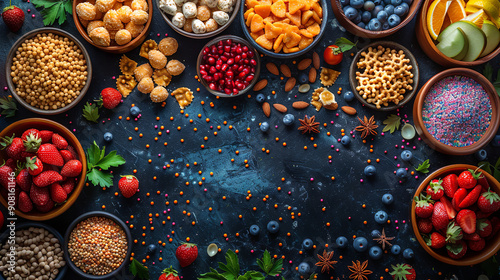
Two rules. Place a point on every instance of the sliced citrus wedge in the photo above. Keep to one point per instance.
(477, 18)
(456, 11)
(436, 15)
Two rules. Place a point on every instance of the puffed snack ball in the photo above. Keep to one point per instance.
(210, 3)
(180, 2)
(203, 13)
(112, 21)
(198, 26)
(94, 24)
(168, 6)
(146, 85)
(143, 71)
(123, 37)
(134, 29)
(179, 20)
(139, 5)
(159, 94)
(189, 10)
(211, 25)
(220, 17)
(175, 67)
(124, 14)
(225, 5)
(168, 46)
(104, 5)
(86, 11)
(139, 17)
(157, 59)
(100, 36)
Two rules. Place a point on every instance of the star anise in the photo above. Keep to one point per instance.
(325, 261)
(308, 125)
(383, 239)
(359, 270)
(367, 127)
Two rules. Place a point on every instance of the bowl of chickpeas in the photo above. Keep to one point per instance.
(113, 26)
(48, 71)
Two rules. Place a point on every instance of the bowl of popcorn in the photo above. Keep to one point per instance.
(199, 19)
(384, 76)
(44, 91)
(113, 26)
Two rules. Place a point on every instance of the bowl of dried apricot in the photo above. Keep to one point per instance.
(284, 29)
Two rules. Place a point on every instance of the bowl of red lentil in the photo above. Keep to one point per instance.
(98, 245)
(48, 71)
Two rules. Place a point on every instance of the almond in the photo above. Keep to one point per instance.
(316, 61)
(271, 67)
(312, 75)
(300, 105)
(280, 107)
(266, 108)
(285, 70)
(304, 63)
(260, 85)
(348, 110)
(290, 83)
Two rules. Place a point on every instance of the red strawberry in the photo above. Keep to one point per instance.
(489, 202)
(435, 190)
(34, 166)
(45, 208)
(12, 163)
(495, 224)
(475, 236)
(457, 250)
(66, 155)
(23, 180)
(436, 241)
(423, 206)
(466, 219)
(453, 233)
(31, 140)
(476, 246)
(468, 179)
(483, 182)
(13, 18)
(403, 272)
(424, 225)
(24, 202)
(449, 207)
(48, 153)
(186, 254)
(68, 185)
(46, 136)
(169, 274)
(460, 194)
(33, 131)
(72, 151)
(13, 147)
(57, 193)
(450, 184)
(72, 168)
(484, 228)
(5, 174)
(471, 198)
(110, 98)
(39, 196)
(59, 141)
(47, 178)
(439, 216)
(128, 185)
(481, 214)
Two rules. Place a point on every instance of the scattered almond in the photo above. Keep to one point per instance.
(304, 63)
(300, 105)
(349, 110)
(266, 108)
(312, 75)
(280, 107)
(271, 67)
(285, 70)
(290, 83)
(260, 85)
(316, 60)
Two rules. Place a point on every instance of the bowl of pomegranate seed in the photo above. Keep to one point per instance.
(228, 66)
(455, 217)
(44, 168)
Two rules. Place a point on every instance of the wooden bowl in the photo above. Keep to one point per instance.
(193, 35)
(18, 128)
(12, 53)
(471, 258)
(114, 48)
(428, 46)
(361, 32)
(407, 96)
(441, 147)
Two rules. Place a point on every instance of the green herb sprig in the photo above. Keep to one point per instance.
(53, 10)
(138, 270)
(98, 164)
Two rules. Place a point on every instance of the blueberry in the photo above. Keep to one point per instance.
(389, 9)
(377, 2)
(304, 268)
(366, 16)
(394, 20)
(381, 217)
(376, 10)
(357, 4)
(348, 96)
(386, 26)
(406, 6)
(135, 111)
(357, 19)
(374, 25)
(341, 241)
(273, 227)
(307, 244)
(360, 244)
(151, 248)
(387, 2)
(408, 253)
(400, 11)
(481, 155)
(362, 25)
(401, 173)
(387, 199)
(264, 127)
(396, 2)
(254, 230)
(406, 155)
(369, 6)
(375, 253)
(260, 97)
(288, 119)
(345, 140)
(382, 16)
(375, 233)
(370, 170)
(108, 136)
(396, 249)
(344, 3)
(496, 141)
(351, 13)
(303, 78)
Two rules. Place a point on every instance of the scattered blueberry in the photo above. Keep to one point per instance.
(264, 126)
(260, 97)
(394, 20)
(382, 16)
(288, 119)
(345, 140)
(481, 155)
(401, 173)
(389, 9)
(400, 11)
(408, 253)
(303, 78)
(108, 136)
(254, 230)
(351, 13)
(375, 233)
(360, 244)
(365, 17)
(374, 25)
(396, 2)
(369, 6)
(496, 141)
(376, 10)
(135, 111)
(406, 155)
(357, 4)
(348, 96)
(370, 170)
(151, 248)
(395, 249)
(361, 25)
(387, 199)
(375, 253)
(386, 26)
(304, 268)
(341, 241)
(307, 244)
(273, 227)
(381, 217)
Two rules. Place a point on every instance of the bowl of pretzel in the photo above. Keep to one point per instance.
(384, 76)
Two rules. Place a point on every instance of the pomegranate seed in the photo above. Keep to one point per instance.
(203, 72)
(231, 61)
(227, 91)
(249, 78)
(212, 86)
(211, 60)
(250, 54)
(237, 58)
(224, 67)
(243, 55)
(245, 48)
(253, 62)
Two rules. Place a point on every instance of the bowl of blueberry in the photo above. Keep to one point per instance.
(374, 18)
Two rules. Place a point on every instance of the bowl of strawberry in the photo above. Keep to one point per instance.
(43, 170)
(454, 215)
(228, 66)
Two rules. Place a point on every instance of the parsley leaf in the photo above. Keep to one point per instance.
(110, 160)
(9, 106)
(212, 275)
(392, 123)
(91, 112)
(232, 267)
(100, 178)
(98, 163)
(344, 44)
(270, 266)
(53, 10)
(488, 72)
(138, 270)
(424, 167)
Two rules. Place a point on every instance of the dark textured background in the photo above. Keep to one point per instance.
(342, 197)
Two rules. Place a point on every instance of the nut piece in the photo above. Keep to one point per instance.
(290, 83)
(266, 108)
(260, 85)
(304, 63)
(312, 75)
(272, 68)
(285, 70)
(316, 61)
(348, 110)
(280, 107)
(300, 105)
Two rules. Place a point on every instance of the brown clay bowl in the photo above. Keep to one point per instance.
(18, 128)
(471, 258)
(114, 48)
(428, 46)
(433, 142)
(361, 32)
(407, 96)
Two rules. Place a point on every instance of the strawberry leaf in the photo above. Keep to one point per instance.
(8, 106)
(344, 44)
(392, 123)
(232, 266)
(110, 160)
(138, 270)
(98, 163)
(212, 275)
(100, 178)
(91, 112)
(423, 167)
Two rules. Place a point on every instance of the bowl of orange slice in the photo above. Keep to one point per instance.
(284, 29)
(459, 33)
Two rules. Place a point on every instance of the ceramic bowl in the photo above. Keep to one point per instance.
(361, 32)
(471, 258)
(441, 147)
(407, 96)
(429, 47)
(237, 40)
(85, 216)
(114, 48)
(282, 55)
(10, 58)
(18, 128)
(193, 35)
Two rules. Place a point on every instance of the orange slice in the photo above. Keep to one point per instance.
(477, 18)
(456, 11)
(435, 16)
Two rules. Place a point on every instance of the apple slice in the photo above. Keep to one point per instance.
(475, 36)
(464, 51)
(453, 44)
(492, 37)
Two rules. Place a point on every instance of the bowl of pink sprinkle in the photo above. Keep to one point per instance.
(457, 111)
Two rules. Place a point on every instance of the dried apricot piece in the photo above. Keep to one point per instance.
(306, 33)
(266, 2)
(279, 8)
(314, 29)
(268, 20)
(306, 16)
(307, 5)
(305, 42)
(310, 22)
(279, 48)
(272, 31)
(295, 5)
(316, 17)
(256, 35)
(317, 8)
(264, 42)
(245, 15)
(278, 41)
(249, 18)
(251, 3)
(257, 23)
(294, 40)
(263, 10)
(290, 50)
(294, 18)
